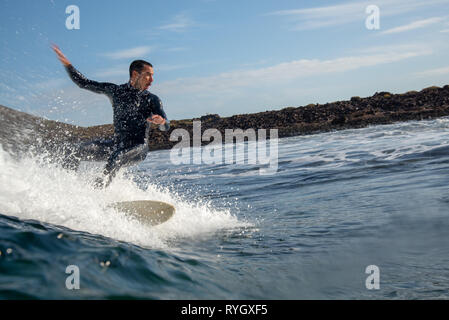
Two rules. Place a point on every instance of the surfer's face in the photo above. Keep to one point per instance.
(143, 79)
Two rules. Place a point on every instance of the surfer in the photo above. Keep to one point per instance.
(134, 109)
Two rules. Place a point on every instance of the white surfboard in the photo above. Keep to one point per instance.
(146, 211)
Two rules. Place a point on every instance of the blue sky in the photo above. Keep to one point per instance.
(216, 56)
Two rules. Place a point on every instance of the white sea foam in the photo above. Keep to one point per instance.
(32, 189)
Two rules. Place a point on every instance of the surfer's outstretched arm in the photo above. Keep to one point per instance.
(79, 79)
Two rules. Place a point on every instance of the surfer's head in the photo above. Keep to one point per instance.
(141, 74)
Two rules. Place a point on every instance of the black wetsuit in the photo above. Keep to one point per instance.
(131, 107)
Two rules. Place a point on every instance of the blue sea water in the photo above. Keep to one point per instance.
(338, 203)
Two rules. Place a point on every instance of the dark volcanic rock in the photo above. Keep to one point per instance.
(20, 132)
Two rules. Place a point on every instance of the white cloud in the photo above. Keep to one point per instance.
(320, 17)
(117, 71)
(444, 31)
(433, 72)
(179, 23)
(131, 53)
(176, 49)
(396, 48)
(229, 82)
(414, 25)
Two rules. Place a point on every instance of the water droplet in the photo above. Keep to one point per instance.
(105, 264)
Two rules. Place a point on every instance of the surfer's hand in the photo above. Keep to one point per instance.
(156, 119)
(61, 56)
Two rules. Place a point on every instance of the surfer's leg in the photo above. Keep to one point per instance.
(121, 158)
(109, 171)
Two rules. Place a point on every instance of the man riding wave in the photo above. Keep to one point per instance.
(134, 108)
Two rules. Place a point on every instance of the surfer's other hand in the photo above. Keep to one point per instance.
(156, 119)
(60, 55)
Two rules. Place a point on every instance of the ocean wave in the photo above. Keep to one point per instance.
(34, 189)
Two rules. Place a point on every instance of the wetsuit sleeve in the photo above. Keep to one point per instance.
(84, 83)
(156, 108)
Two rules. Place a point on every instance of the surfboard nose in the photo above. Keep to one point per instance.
(146, 211)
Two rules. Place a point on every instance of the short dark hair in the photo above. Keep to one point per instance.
(137, 65)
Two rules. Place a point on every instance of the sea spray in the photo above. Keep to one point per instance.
(32, 188)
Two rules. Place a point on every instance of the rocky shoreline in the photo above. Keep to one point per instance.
(21, 132)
